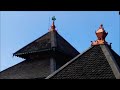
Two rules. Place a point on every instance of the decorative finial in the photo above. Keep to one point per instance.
(53, 25)
(101, 26)
(101, 35)
(53, 18)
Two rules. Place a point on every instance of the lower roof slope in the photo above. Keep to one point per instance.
(98, 62)
(27, 69)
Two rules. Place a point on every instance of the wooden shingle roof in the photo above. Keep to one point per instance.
(49, 41)
(98, 62)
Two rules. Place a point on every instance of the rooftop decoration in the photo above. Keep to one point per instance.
(101, 35)
(53, 24)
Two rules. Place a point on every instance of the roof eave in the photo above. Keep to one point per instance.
(19, 54)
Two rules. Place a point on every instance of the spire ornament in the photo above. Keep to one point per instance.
(101, 35)
(53, 24)
(53, 18)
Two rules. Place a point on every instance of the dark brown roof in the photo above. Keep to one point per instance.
(47, 42)
(46, 46)
(27, 69)
(98, 62)
(42, 43)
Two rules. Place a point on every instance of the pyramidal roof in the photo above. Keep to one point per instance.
(52, 40)
(97, 62)
(43, 46)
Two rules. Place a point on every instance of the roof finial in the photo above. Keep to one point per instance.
(101, 27)
(53, 18)
(101, 35)
(53, 24)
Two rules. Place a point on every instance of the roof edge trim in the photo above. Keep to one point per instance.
(111, 61)
(31, 52)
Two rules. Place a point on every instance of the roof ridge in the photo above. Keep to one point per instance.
(111, 60)
(69, 62)
(53, 35)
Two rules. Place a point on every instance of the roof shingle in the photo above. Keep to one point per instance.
(47, 42)
(92, 64)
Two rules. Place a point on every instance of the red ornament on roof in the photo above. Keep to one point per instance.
(101, 35)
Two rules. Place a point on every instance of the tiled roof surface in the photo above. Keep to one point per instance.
(39, 44)
(27, 69)
(35, 66)
(45, 43)
(92, 64)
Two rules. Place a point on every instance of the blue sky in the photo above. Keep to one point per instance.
(18, 28)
